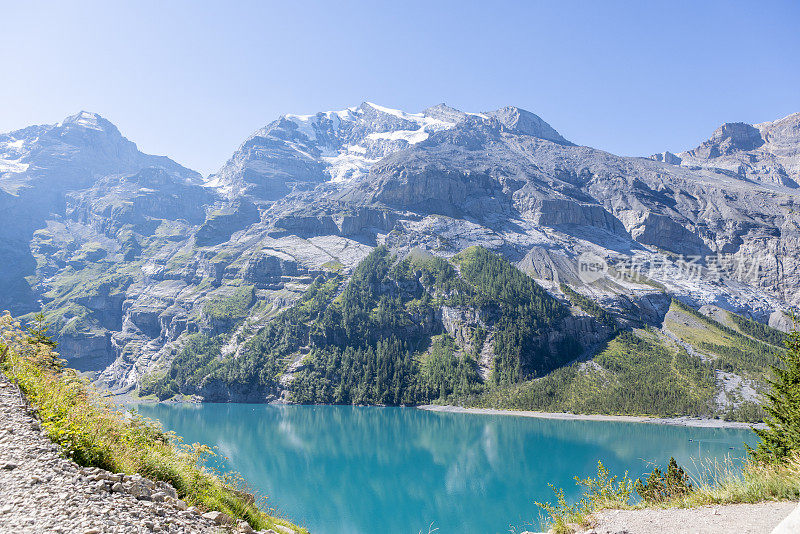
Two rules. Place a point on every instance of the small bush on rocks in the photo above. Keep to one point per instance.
(602, 491)
(660, 487)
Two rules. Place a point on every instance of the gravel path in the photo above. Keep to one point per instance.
(758, 518)
(41, 492)
(676, 421)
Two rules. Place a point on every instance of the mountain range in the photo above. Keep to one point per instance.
(131, 256)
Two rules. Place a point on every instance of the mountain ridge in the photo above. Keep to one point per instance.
(127, 260)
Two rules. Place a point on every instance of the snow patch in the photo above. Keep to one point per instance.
(15, 144)
(347, 167)
(12, 165)
(349, 162)
(215, 181)
(412, 137)
(86, 119)
(306, 124)
(390, 111)
(428, 123)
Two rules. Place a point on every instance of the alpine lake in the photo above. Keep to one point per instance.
(367, 470)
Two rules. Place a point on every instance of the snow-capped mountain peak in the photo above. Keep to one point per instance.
(341, 146)
(89, 120)
(82, 147)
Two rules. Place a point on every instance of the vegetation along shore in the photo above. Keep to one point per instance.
(71, 461)
(771, 474)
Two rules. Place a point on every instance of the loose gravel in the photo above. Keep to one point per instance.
(760, 518)
(43, 492)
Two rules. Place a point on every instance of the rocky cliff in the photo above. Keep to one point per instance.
(128, 254)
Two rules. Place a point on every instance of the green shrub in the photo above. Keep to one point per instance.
(659, 487)
(602, 491)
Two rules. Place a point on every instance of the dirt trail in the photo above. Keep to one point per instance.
(42, 492)
(759, 518)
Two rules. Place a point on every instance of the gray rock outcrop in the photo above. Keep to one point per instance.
(124, 251)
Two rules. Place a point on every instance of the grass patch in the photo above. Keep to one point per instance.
(634, 375)
(733, 351)
(234, 307)
(715, 482)
(724, 483)
(94, 432)
(333, 266)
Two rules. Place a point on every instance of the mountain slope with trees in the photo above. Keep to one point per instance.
(236, 286)
(415, 330)
(382, 341)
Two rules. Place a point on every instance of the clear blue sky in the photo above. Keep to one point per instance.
(192, 79)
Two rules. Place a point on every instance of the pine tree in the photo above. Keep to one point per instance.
(37, 334)
(660, 487)
(38, 331)
(782, 435)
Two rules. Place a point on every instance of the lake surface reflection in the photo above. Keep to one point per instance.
(353, 470)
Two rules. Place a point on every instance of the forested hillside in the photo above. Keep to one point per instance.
(652, 372)
(381, 340)
(472, 330)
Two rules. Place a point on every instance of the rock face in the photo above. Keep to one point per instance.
(524, 122)
(130, 255)
(766, 152)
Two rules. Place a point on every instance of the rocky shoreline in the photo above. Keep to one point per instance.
(42, 492)
(676, 421)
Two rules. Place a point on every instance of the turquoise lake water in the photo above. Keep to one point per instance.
(354, 470)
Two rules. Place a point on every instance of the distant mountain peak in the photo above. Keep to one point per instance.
(341, 146)
(83, 147)
(524, 122)
(738, 136)
(441, 107)
(768, 152)
(792, 120)
(512, 118)
(447, 113)
(91, 121)
(384, 109)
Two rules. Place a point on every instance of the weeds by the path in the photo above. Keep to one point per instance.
(94, 432)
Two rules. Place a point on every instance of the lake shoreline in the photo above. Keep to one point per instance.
(684, 420)
(699, 422)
